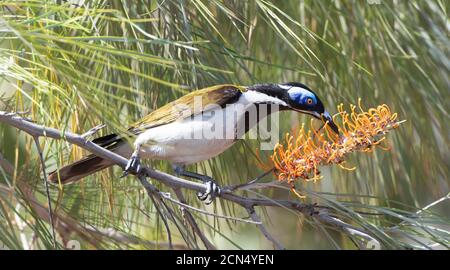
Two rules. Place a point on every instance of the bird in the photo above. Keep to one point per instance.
(169, 133)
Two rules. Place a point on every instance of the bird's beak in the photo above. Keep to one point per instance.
(326, 117)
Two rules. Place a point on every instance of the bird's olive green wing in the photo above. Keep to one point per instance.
(184, 106)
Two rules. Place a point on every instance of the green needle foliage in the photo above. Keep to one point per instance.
(76, 64)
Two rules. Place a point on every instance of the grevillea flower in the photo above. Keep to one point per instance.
(302, 153)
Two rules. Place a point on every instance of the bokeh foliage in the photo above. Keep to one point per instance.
(75, 64)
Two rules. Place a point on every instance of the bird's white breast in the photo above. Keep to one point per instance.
(180, 142)
(200, 137)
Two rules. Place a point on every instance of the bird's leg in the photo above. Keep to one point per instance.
(134, 163)
(212, 188)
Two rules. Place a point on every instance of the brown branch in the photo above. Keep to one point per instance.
(174, 182)
(165, 178)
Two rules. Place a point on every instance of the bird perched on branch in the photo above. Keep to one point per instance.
(176, 131)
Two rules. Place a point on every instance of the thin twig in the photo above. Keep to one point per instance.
(251, 211)
(153, 192)
(438, 201)
(47, 190)
(250, 183)
(256, 185)
(190, 219)
(92, 131)
(167, 196)
(349, 229)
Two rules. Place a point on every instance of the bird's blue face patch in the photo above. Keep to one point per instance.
(302, 96)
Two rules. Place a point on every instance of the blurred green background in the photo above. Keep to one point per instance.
(76, 64)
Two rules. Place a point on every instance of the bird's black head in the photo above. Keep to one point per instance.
(298, 97)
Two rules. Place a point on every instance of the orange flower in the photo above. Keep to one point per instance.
(301, 157)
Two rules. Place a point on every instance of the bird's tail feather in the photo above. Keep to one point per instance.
(79, 169)
(90, 164)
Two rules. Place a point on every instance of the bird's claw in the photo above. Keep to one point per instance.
(133, 166)
(212, 191)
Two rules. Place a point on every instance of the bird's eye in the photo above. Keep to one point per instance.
(309, 101)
